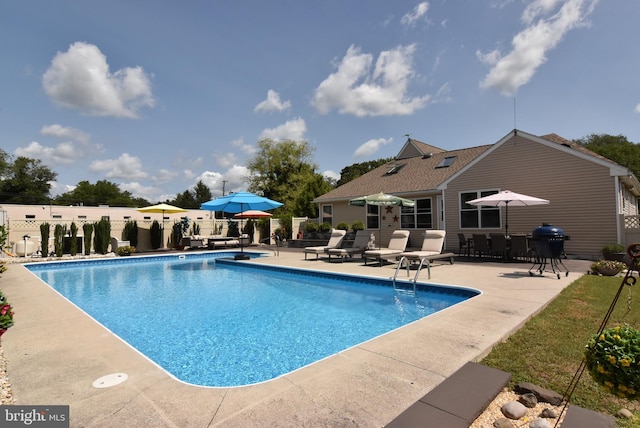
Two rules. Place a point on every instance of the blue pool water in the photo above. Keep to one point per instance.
(221, 323)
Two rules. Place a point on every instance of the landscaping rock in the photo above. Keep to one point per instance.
(513, 410)
(529, 400)
(543, 394)
(540, 423)
(548, 413)
(624, 413)
(503, 423)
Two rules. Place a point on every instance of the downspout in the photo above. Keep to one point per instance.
(619, 234)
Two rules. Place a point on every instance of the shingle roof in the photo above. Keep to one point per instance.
(415, 174)
(555, 138)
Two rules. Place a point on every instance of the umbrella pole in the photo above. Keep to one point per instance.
(506, 221)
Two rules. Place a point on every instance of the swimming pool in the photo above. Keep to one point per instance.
(212, 321)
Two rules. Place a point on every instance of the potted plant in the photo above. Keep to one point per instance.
(325, 229)
(607, 267)
(613, 360)
(311, 229)
(125, 250)
(357, 225)
(613, 252)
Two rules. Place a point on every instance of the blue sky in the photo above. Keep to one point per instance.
(156, 95)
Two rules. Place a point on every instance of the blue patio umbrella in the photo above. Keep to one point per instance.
(239, 202)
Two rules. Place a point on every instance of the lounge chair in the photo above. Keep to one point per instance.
(335, 241)
(359, 246)
(397, 245)
(431, 250)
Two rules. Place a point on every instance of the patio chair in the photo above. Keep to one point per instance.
(520, 247)
(397, 245)
(431, 250)
(335, 241)
(498, 245)
(480, 244)
(464, 244)
(359, 246)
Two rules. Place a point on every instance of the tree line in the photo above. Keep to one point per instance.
(280, 170)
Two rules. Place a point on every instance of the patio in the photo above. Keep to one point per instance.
(55, 353)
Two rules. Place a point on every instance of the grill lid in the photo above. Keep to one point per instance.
(547, 231)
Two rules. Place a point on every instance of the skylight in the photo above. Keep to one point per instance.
(394, 169)
(446, 162)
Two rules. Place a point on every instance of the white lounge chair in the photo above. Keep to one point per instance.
(397, 245)
(359, 246)
(335, 241)
(431, 250)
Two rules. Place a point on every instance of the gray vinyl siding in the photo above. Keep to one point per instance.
(582, 194)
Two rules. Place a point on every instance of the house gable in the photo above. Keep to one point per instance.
(414, 148)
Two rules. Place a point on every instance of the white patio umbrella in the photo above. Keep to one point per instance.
(505, 199)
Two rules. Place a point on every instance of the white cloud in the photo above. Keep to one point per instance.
(371, 147)
(63, 153)
(163, 175)
(228, 159)
(125, 167)
(60, 131)
(272, 103)
(234, 180)
(638, 108)
(331, 174)
(354, 89)
(414, 16)
(150, 193)
(294, 129)
(80, 79)
(531, 45)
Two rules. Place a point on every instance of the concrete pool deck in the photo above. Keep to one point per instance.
(55, 353)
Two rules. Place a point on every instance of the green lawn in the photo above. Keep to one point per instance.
(548, 350)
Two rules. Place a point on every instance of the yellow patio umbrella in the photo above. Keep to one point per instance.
(161, 209)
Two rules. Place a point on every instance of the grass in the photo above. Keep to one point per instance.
(548, 349)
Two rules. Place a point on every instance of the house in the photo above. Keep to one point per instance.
(590, 195)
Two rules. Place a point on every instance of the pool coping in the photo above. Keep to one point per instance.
(55, 353)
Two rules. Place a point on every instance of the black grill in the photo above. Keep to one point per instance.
(548, 242)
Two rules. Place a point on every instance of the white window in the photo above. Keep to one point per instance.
(475, 216)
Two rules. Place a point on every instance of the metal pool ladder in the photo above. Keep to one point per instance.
(404, 259)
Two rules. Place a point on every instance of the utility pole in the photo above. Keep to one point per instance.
(223, 184)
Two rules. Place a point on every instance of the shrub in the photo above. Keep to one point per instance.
(130, 232)
(102, 237)
(342, 226)
(73, 248)
(311, 227)
(44, 236)
(155, 234)
(58, 234)
(87, 229)
(357, 225)
(612, 248)
(325, 227)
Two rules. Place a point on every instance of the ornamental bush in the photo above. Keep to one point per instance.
(613, 360)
